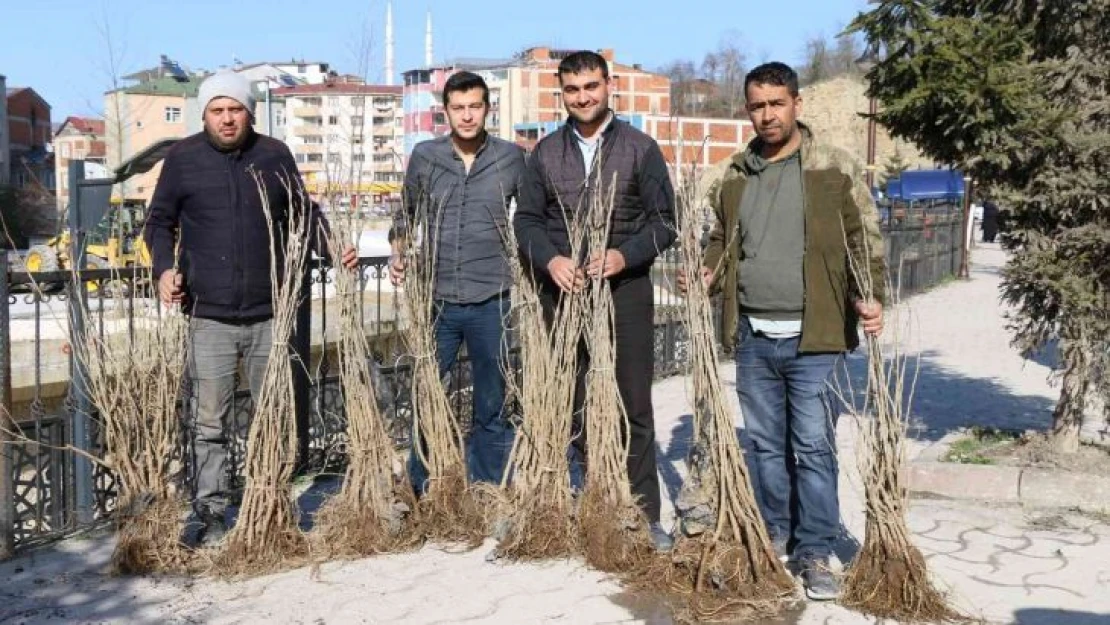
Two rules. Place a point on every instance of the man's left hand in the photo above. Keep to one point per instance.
(606, 266)
(870, 316)
(349, 258)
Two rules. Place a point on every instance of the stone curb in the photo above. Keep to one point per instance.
(1035, 487)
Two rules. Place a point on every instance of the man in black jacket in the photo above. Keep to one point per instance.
(208, 205)
(564, 172)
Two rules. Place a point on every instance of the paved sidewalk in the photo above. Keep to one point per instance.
(1000, 562)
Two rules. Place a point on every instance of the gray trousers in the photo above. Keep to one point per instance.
(215, 350)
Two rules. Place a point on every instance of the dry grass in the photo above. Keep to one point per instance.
(723, 565)
(266, 536)
(373, 511)
(889, 577)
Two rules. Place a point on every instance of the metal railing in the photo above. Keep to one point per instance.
(45, 491)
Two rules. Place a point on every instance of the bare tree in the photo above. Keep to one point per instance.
(818, 64)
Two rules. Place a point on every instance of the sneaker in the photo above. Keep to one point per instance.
(820, 582)
(660, 537)
(203, 528)
(215, 528)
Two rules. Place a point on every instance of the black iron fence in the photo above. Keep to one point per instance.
(47, 490)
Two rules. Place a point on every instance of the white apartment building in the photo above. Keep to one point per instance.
(346, 138)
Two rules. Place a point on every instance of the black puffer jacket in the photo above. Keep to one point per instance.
(555, 181)
(210, 200)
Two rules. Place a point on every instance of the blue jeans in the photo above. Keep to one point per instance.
(785, 400)
(482, 327)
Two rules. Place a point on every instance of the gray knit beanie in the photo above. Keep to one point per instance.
(226, 84)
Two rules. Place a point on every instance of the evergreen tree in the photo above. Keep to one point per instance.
(1015, 93)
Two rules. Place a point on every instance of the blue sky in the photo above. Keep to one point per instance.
(59, 47)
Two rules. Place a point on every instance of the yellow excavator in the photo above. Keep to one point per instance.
(112, 227)
(115, 242)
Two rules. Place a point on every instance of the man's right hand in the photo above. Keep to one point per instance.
(170, 287)
(706, 279)
(566, 275)
(396, 270)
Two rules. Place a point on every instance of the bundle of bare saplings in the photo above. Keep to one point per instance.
(537, 483)
(266, 535)
(372, 513)
(889, 577)
(614, 532)
(134, 366)
(723, 565)
(448, 508)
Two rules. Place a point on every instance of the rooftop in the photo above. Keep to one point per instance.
(345, 88)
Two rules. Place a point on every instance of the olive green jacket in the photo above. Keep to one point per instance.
(840, 215)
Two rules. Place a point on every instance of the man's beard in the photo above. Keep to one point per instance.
(598, 115)
(225, 144)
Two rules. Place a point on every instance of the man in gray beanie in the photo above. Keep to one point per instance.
(210, 245)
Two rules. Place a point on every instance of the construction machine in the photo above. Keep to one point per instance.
(115, 242)
(111, 228)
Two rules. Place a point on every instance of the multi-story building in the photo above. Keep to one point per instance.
(78, 138)
(5, 150)
(346, 138)
(159, 106)
(525, 97)
(162, 104)
(28, 134)
(268, 77)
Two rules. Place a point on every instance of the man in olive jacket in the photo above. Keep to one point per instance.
(791, 212)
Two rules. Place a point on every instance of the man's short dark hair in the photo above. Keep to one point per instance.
(583, 61)
(774, 73)
(465, 81)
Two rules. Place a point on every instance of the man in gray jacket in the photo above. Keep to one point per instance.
(467, 179)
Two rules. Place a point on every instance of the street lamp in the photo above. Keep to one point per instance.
(865, 63)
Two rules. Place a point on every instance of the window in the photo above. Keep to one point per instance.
(315, 158)
(358, 158)
(311, 101)
(356, 120)
(173, 114)
(333, 101)
(301, 69)
(333, 120)
(383, 158)
(440, 119)
(314, 140)
(357, 100)
(300, 158)
(279, 117)
(333, 157)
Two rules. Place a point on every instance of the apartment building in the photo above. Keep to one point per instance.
(28, 133)
(78, 138)
(136, 116)
(346, 138)
(524, 94)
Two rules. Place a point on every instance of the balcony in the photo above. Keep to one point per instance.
(311, 167)
(306, 111)
(309, 148)
(307, 131)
